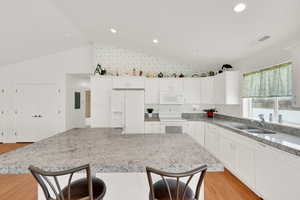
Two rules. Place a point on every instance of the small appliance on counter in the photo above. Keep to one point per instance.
(210, 112)
(150, 111)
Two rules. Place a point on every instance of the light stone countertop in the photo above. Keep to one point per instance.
(285, 138)
(282, 141)
(109, 151)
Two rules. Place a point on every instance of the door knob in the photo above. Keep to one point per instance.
(34, 116)
(40, 116)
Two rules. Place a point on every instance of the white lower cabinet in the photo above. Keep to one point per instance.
(152, 127)
(273, 174)
(245, 165)
(212, 139)
(196, 130)
(277, 174)
(228, 153)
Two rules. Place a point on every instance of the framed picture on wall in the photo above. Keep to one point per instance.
(77, 100)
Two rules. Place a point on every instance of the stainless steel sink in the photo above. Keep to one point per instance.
(260, 131)
(253, 129)
(244, 127)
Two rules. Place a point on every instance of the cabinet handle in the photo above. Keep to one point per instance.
(34, 116)
(15, 133)
(40, 116)
(2, 134)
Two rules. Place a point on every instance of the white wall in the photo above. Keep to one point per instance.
(263, 59)
(47, 69)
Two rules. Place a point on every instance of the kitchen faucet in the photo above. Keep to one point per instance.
(262, 121)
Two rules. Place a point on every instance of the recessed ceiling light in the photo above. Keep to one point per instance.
(113, 31)
(240, 7)
(155, 41)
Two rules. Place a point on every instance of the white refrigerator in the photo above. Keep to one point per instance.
(132, 101)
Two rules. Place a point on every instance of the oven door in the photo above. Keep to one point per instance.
(173, 127)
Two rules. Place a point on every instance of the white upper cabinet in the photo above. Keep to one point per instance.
(152, 91)
(171, 85)
(227, 88)
(128, 82)
(207, 90)
(192, 90)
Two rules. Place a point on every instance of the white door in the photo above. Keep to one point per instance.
(191, 88)
(134, 111)
(152, 91)
(2, 126)
(207, 90)
(48, 111)
(26, 112)
(36, 111)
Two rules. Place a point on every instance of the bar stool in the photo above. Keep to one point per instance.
(82, 189)
(171, 188)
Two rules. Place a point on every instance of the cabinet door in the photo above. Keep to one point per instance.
(246, 163)
(128, 82)
(207, 90)
(171, 84)
(219, 89)
(152, 91)
(212, 139)
(199, 133)
(148, 127)
(228, 152)
(277, 174)
(192, 88)
(156, 127)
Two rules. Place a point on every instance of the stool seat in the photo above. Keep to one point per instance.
(79, 189)
(161, 190)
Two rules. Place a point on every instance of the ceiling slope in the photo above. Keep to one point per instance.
(34, 28)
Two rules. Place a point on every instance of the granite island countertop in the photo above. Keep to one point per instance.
(109, 151)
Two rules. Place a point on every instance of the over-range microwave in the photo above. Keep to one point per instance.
(173, 97)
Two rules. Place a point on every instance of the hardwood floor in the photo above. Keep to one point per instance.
(218, 185)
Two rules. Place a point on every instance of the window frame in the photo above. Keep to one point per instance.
(248, 111)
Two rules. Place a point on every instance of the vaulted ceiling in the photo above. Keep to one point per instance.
(197, 32)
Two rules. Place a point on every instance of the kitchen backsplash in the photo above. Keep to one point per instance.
(186, 108)
(123, 60)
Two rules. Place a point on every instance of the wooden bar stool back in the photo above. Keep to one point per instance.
(170, 187)
(82, 189)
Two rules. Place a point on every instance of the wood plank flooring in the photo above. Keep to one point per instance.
(218, 185)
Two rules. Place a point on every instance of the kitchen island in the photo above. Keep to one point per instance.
(117, 159)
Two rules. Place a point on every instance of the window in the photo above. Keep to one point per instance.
(273, 109)
(268, 92)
